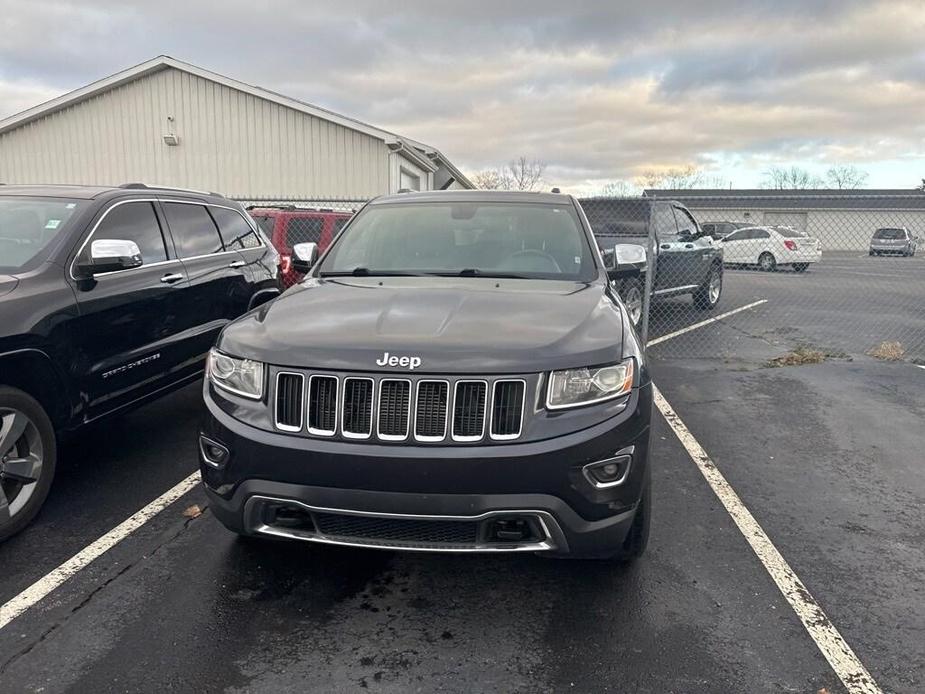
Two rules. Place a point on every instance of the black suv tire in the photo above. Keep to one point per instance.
(705, 297)
(38, 432)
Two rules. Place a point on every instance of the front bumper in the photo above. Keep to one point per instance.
(430, 498)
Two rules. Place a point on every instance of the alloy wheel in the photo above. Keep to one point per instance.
(21, 458)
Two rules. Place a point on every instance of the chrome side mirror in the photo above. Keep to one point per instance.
(627, 259)
(304, 255)
(110, 255)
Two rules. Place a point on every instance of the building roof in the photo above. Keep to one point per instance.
(429, 158)
(816, 198)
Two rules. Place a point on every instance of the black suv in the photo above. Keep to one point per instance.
(108, 297)
(687, 261)
(464, 379)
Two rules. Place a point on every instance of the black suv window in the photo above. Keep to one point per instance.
(234, 229)
(666, 228)
(303, 230)
(193, 230)
(687, 227)
(134, 221)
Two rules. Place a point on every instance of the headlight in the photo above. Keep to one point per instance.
(239, 376)
(575, 387)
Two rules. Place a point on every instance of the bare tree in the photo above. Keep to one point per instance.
(846, 176)
(518, 174)
(489, 179)
(619, 188)
(679, 178)
(526, 174)
(793, 177)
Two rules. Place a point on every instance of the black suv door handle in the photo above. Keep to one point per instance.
(170, 279)
(666, 246)
(237, 263)
(688, 245)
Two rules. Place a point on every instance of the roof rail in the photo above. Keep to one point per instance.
(145, 186)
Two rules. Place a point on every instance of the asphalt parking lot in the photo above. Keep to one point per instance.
(827, 458)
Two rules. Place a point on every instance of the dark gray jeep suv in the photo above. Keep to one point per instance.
(455, 374)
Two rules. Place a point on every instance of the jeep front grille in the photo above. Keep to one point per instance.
(322, 405)
(469, 410)
(358, 408)
(394, 409)
(507, 409)
(289, 388)
(427, 410)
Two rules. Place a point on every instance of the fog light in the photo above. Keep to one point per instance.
(608, 473)
(213, 453)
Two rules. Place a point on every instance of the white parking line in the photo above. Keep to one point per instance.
(844, 662)
(694, 326)
(55, 578)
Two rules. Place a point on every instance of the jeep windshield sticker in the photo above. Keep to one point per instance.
(411, 363)
(52, 223)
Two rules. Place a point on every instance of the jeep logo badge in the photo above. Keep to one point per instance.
(411, 363)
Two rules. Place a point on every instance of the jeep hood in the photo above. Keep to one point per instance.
(464, 325)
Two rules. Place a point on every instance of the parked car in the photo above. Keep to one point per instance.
(289, 225)
(469, 382)
(894, 240)
(769, 247)
(109, 297)
(687, 260)
(719, 230)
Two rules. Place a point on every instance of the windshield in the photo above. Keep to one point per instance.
(789, 233)
(28, 226)
(890, 234)
(480, 239)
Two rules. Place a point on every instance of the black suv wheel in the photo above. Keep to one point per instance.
(28, 454)
(708, 294)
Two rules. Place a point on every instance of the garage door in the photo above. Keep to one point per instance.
(797, 220)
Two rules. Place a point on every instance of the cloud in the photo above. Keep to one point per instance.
(599, 91)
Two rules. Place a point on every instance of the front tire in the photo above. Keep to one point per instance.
(631, 291)
(708, 294)
(28, 454)
(767, 262)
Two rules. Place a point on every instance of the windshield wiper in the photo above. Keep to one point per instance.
(475, 272)
(366, 272)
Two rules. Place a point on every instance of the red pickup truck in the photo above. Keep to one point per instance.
(287, 226)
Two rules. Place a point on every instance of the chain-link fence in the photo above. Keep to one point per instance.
(290, 222)
(776, 287)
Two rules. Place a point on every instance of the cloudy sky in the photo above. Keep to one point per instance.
(599, 91)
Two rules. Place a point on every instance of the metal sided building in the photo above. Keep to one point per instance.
(840, 219)
(171, 123)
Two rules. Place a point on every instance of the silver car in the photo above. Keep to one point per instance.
(895, 240)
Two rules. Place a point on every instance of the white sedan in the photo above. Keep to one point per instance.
(768, 247)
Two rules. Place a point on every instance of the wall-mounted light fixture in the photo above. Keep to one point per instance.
(171, 139)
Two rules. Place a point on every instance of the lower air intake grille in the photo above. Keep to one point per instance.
(430, 417)
(358, 407)
(322, 405)
(394, 408)
(507, 409)
(397, 530)
(469, 410)
(289, 401)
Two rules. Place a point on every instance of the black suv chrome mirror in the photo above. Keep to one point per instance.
(304, 256)
(625, 260)
(110, 255)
